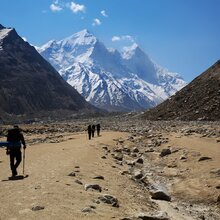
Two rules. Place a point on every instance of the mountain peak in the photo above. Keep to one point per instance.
(130, 51)
(4, 32)
(1, 27)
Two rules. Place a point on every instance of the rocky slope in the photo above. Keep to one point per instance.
(29, 84)
(108, 79)
(200, 100)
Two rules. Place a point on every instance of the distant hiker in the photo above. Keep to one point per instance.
(15, 138)
(93, 130)
(89, 131)
(98, 127)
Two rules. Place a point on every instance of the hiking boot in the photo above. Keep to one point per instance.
(14, 173)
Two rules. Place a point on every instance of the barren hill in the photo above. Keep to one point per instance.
(199, 100)
(28, 83)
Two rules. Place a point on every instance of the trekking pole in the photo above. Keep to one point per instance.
(23, 160)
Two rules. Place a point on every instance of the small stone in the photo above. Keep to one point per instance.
(79, 182)
(103, 157)
(160, 194)
(140, 160)
(109, 200)
(72, 174)
(87, 209)
(183, 157)
(218, 199)
(204, 158)
(165, 152)
(218, 186)
(37, 208)
(135, 150)
(93, 187)
(99, 177)
(154, 216)
(138, 174)
(118, 156)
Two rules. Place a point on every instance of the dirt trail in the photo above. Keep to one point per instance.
(49, 185)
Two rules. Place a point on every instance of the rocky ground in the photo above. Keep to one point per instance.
(142, 170)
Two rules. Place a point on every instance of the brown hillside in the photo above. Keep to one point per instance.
(199, 100)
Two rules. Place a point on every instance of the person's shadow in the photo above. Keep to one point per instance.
(14, 178)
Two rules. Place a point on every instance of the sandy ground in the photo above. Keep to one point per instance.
(192, 184)
(49, 185)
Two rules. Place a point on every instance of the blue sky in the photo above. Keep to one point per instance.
(181, 35)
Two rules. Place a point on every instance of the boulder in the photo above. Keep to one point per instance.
(154, 216)
(93, 187)
(165, 152)
(109, 200)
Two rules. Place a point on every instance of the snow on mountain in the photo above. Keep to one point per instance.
(3, 33)
(107, 78)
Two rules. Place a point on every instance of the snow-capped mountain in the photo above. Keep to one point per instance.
(107, 78)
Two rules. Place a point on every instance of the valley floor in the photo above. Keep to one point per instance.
(129, 167)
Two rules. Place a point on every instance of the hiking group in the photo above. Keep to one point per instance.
(15, 140)
(91, 130)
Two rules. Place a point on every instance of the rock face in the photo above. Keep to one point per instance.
(199, 100)
(107, 78)
(29, 84)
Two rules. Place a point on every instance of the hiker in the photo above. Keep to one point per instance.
(15, 139)
(93, 130)
(89, 129)
(98, 129)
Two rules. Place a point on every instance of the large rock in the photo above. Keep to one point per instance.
(165, 152)
(160, 193)
(93, 187)
(109, 200)
(154, 216)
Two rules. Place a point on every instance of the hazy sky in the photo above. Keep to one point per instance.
(181, 35)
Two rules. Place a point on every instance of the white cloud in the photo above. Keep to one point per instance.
(55, 7)
(75, 8)
(116, 38)
(103, 12)
(96, 22)
(123, 38)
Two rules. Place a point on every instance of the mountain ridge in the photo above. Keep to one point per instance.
(126, 83)
(29, 84)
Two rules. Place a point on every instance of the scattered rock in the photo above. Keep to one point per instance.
(79, 182)
(135, 150)
(118, 156)
(140, 160)
(218, 186)
(165, 152)
(138, 174)
(160, 193)
(215, 171)
(72, 174)
(93, 187)
(103, 157)
(204, 158)
(109, 200)
(99, 177)
(154, 216)
(87, 209)
(218, 198)
(183, 157)
(37, 208)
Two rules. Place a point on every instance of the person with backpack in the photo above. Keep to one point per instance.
(89, 129)
(15, 139)
(98, 128)
(93, 130)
